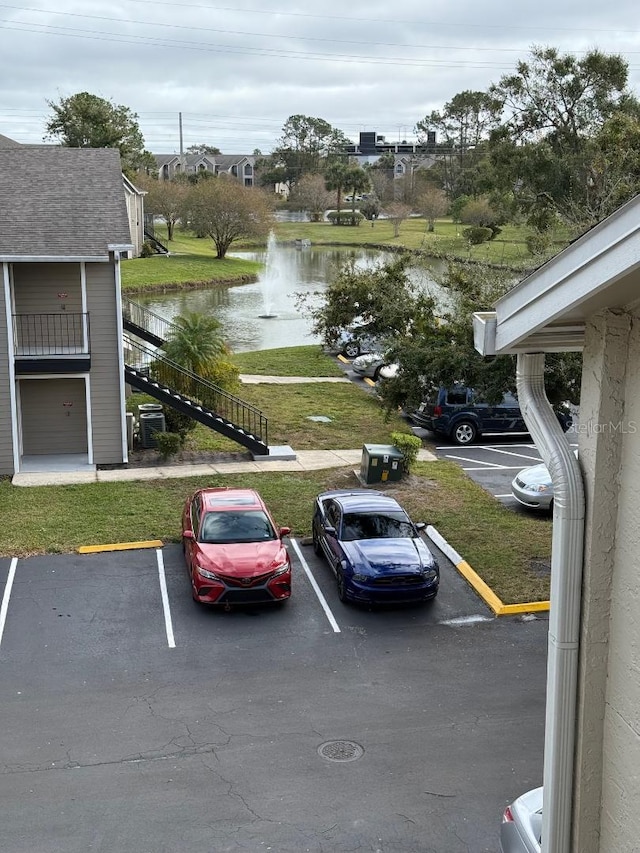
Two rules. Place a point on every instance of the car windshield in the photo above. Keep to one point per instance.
(376, 525)
(231, 526)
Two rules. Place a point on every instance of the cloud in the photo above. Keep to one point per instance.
(236, 74)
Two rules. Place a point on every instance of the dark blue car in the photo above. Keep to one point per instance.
(374, 549)
(462, 415)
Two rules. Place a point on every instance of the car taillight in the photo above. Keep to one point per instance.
(507, 817)
(437, 411)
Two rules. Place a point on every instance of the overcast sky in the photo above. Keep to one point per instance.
(237, 70)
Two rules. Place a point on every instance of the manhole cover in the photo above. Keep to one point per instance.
(340, 750)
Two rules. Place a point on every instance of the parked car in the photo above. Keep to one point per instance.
(460, 414)
(356, 341)
(532, 487)
(233, 549)
(373, 548)
(521, 830)
(372, 366)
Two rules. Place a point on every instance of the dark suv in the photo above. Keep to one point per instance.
(462, 415)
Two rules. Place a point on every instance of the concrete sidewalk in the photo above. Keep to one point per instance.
(306, 460)
(258, 379)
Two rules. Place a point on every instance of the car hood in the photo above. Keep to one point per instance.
(388, 556)
(536, 475)
(243, 560)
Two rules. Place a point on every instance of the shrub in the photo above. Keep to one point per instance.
(146, 250)
(345, 217)
(178, 423)
(477, 234)
(408, 445)
(539, 243)
(169, 443)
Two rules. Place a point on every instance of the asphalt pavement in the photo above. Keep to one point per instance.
(136, 720)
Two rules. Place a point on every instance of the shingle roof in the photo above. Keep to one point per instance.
(6, 142)
(61, 202)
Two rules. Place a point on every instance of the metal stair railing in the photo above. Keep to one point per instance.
(145, 323)
(197, 396)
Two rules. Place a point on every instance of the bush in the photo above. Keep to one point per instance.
(178, 423)
(408, 445)
(538, 244)
(169, 443)
(146, 250)
(345, 217)
(477, 234)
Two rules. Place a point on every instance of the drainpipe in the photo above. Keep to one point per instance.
(566, 591)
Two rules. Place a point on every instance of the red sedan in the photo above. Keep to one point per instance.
(233, 549)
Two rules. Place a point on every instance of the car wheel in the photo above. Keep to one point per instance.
(464, 433)
(340, 582)
(352, 349)
(376, 373)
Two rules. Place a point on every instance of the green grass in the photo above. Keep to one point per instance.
(181, 271)
(496, 542)
(287, 361)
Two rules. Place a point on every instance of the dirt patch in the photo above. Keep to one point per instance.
(541, 568)
(151, 458)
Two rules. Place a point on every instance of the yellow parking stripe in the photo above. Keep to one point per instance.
(120, 546)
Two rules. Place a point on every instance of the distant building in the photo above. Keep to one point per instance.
(239, 166)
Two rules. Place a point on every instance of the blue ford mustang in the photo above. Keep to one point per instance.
(374, 549)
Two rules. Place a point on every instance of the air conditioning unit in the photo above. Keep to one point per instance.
(150, 424)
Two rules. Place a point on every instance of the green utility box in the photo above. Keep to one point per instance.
(380, 463)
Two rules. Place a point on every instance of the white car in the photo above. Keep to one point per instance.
(532, 487)
(521, 830)
(374, 366)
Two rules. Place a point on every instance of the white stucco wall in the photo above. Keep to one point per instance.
(620, 815)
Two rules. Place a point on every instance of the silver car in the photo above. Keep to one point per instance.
(532, 487)
(373, 365)
(521, 830)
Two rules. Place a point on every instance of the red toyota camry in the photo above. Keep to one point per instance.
(233, 548)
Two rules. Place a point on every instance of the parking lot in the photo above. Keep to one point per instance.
(135, 719)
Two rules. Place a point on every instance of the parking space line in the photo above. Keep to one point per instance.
(493, 467)
(509, 453)
(316, 588)
(165, 600)
(475, 461)
(4, 608)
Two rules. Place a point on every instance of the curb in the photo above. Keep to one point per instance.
(120, 546)
(483, 590)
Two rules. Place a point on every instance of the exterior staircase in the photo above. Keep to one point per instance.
(151, 372)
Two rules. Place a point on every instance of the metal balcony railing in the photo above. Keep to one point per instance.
(138, 319)
(60, 334)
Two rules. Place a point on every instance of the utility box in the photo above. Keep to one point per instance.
(381, 463)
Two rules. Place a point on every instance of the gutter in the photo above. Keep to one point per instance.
(566, 591)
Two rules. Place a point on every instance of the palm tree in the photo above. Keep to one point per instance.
(336, 178)
(196, 342)
(358, 181)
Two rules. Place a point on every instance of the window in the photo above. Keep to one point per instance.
(457, 396)
(361, 525)
(248, 169)
(229, 526)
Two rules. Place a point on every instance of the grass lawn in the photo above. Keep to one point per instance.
(288, 361)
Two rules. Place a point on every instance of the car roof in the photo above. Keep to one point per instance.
(218, 500)
(364, 500)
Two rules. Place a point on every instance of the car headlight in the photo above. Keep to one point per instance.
(537, 488)
(280, 570)
(430, 574)
(207, 574)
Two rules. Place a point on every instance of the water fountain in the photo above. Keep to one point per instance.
(270, 277)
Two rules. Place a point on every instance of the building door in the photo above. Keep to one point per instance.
(53, 416)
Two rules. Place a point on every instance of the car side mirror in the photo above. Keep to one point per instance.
(285, 531)
(331, 531)
(188, 534)
(421, 525)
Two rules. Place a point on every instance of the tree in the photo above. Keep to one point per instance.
(432, 204)
(87, 121)
(397, 212)
(310, 193)
(163, 198)
(381, 298)
(336, 177)
(226, 211)
(304, 147)
(196, 342)
(203, 148)
(358, 182)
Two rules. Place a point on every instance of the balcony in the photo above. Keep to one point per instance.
(51, 343)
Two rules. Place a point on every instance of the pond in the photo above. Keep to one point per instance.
(288, 271)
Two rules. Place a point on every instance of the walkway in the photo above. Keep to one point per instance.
(306, 460)
(250, 379)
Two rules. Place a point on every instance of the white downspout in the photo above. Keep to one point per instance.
(566, 591)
